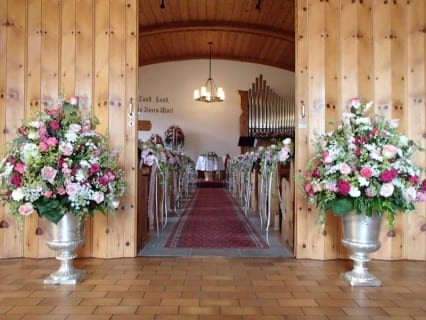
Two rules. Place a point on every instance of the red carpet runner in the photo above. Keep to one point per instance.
(214, 220)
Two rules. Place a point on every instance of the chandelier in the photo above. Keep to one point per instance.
(209, 92)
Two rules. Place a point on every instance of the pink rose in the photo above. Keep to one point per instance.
(356, 102)
(326, 157)
(73, 100)
(103, 180)
(344, 168)
(20, 167)
(61, 191)
(48, 194)
(52, 141)
(43, 146)
(75, 128)
(66, 148)
(72, 189)
(343, 187)
(308, 187)
(389, 151)
(48, 174)
(98, 197)
(53, 112)
(54, 125)
(366, 172)
(94, 168)
(26, 209)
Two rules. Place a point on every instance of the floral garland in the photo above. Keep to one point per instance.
(59, 164)
(364, 165)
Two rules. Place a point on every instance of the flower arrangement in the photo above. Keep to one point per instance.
(364, 165)
(156, 139)
(174, 136)
(59, 164)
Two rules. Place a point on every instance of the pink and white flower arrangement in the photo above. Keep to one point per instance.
(58, 164)
(364, 165)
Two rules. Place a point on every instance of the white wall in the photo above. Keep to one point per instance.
(207, 126)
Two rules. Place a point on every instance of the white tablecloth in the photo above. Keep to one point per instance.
(208, 163)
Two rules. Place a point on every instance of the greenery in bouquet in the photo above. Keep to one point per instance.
(58, 164)
(365, 165)
(174, 136)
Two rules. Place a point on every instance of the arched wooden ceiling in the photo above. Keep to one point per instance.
(258, 31)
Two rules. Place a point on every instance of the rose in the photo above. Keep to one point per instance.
(20, 167)
(389, 151)
(343, 187)
(73, 100)
(48, 173)
(98, 197)
(72, 189)
(344, 168)
(386, 190)
(326, 157)
(54, 125)
(366, 172)
(388, 175)
(26, 209)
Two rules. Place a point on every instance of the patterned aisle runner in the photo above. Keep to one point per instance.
(214, 220)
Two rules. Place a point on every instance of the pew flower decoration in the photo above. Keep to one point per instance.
(366, 166)
(270, 156)
(174, 136)
(58, 164)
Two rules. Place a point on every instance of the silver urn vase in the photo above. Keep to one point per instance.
(361, 237)
(64, 238)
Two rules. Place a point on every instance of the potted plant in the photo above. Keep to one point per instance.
(363, 170)
(59, 168)
(174, 137)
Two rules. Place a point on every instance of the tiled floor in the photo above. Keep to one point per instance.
(211, 288)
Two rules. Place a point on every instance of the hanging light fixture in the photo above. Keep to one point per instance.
(209, 92)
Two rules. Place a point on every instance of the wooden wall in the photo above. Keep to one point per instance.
(86, 48)
(370, 48)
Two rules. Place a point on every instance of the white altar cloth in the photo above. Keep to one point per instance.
(209, 163)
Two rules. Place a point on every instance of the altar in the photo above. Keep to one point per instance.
(209, 164)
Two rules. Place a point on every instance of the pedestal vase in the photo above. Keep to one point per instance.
(361, 237)
(64, 238)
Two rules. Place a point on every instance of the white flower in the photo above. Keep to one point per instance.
(363, 182)
(18, 194)
(71, 136)
(386, 190)
(354, 192)
(29, 151)
(98, 197)
(410, 194)
(33, 135)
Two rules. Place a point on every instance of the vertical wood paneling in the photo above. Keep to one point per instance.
(304, 212)
(332, 103)
(130, 151)
(118, 109)
(364, 36)
(3, 83)
(415, 102)
(48, 47)
(317, 243)
(68, 48)
(50, 51)
(31, 241)
(84, 51)
(81, 34)
(14, 108)
(102, 31)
